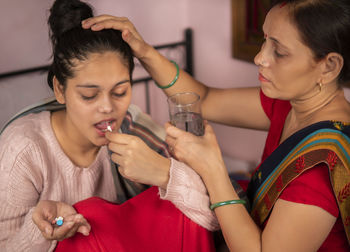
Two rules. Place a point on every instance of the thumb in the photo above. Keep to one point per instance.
(42, 222)
(208, 131)
(129, 38)
(136, 43)
(207, 127)
(85, 230)
(173, 131)
(45, 227)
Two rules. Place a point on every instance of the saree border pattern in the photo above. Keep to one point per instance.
(330, 146)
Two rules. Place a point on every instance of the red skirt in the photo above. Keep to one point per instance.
(143, 223)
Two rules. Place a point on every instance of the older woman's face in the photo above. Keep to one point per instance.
(98, 95)
(287, 69)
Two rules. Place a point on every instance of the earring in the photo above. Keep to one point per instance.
(319, 86)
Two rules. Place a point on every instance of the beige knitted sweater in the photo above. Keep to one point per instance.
(33, 167)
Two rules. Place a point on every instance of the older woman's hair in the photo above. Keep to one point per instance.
(70, 42)
(324, 26)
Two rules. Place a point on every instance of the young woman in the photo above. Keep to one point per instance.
(51, 159)
(300, 192)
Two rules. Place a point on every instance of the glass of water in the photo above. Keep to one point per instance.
(185, 112)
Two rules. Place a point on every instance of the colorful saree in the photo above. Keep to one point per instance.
(325, 142)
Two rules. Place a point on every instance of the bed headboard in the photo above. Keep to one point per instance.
(181, 52)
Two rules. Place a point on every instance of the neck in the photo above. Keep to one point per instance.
(80, 151)
(304, 109)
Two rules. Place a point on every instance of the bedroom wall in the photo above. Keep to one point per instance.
(211, 21)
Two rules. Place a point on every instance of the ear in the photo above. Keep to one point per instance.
(331, 67)
(58, 89)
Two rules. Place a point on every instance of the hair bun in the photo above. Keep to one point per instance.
(66, 15)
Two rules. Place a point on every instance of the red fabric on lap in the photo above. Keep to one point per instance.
(143, 223)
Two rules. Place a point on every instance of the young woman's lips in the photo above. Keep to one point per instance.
(262, 78)
(102, 126)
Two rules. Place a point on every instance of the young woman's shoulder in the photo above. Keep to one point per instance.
(32, 126)
(26, 137)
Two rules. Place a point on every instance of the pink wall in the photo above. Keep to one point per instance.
(26, 44)
(211, 21)
(23, 44)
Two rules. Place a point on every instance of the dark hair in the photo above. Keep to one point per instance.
(324, 26)
(70, 41)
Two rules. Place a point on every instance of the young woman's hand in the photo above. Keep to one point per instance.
(201, 153)
(129, 32)
(44, 216)
(137, 161)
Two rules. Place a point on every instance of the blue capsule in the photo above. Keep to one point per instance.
(59, 221)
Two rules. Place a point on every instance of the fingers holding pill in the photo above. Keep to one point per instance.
(58, 220)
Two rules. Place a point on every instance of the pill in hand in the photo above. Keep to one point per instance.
(59, 221)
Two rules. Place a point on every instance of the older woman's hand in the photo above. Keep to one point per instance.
(202, 153)
(137, 161)
(44, 216)
(123, 24)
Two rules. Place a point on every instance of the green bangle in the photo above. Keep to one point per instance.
(174, 80)
(224, 203)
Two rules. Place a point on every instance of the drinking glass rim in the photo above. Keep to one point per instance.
(185, 105)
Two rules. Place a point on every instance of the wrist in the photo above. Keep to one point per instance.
(214, 175)
(164, 170)
(150, 53)
(219, 187)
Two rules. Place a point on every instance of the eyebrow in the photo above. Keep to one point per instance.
(277, 42)
(273, 39)
(88, 85)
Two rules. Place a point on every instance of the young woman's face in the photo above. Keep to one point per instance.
(287, 69)
(98, 95)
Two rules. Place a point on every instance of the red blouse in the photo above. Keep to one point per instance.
(313, 187)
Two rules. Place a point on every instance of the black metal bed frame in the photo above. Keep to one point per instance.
(187, 43)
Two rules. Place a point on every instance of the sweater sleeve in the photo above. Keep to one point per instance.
(20, 188)
(187, 192)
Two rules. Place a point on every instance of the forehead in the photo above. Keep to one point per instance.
(100, 69)
(105, 62)
(98, 58)
(278, 24)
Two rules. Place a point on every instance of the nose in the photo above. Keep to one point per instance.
(105, 105)
(257, 58)
(260, 59)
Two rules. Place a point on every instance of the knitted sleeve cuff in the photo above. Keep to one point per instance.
(187, 192)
